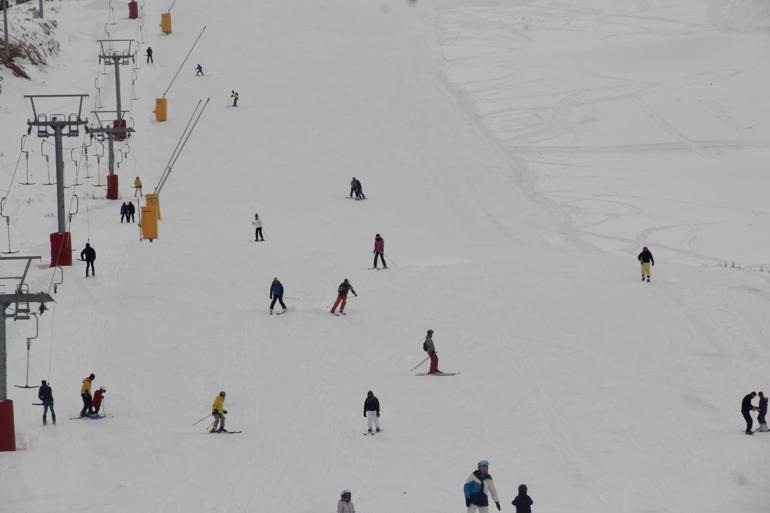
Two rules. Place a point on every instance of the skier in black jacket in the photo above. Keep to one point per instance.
(45, 394)
(372, 411)
(746, 408)
(89, 255)
(342, 296)
(276, 294)
(645, 258)
(761, 412)
(131, 211)
(123, 212)
(522, 502)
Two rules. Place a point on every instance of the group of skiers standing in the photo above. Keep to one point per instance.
(747, 407)
(127, 211)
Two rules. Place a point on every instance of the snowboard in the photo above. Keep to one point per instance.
(225, 432)
(440, 374)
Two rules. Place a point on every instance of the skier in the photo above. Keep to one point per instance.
(276, 294)
(45, 394)
(344, 505)
(137, 187)
(131, 211)
(359, 191)
(257, 222)
(761, 412)
(96, 403)
(342, 296)
(746, 408)
(353, 186)
(88, 255)
(379, 251)
(218, 411)
(85, 394)
(430, 348)
(198, 70)
(149, 55)
(476, 489)
(123, 212)
(523, 502)
(234, 95)
(372, 411)
(645, 257)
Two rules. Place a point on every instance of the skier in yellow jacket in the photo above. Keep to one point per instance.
(138, 187)
(85, 394)
(218, 412)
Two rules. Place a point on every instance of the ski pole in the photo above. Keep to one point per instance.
(415, 367)
(204, 418)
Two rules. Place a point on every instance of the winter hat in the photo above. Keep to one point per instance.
(345, 492)
(483, 463)
(44, 383)
(222, 393)
(430, 332)
(102, 389)
(370, 393)
(522, 488)
(92, 375)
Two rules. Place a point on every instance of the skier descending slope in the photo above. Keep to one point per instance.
(645, 258)
(218, 412)
(430, 348)
(372, 411)
(342, 296)
(476, 489)
(379, 251)
(345, 505)
(276, 294)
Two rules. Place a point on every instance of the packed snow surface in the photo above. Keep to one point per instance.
(516, 155)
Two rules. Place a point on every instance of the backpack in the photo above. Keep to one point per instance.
(425, 346)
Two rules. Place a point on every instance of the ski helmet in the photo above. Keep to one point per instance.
(430, 332)
(91, 376)
(370, 393)
(222, 393)
(522, 488)
(345, 492)
(483, 463)
(102, 389)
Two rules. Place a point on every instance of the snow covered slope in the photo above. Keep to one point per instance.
(599, 392)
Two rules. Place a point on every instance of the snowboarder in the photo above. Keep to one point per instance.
(522, 502)
(96, 402)
(476, 489)
(45, 394)
(344, 505)
(131, 211)
(746, 408)
(149, 55)
(342, 296)
(372, 411)
(276, 294)
(761, 412)
(257, 222)
(219, 412)
(379, 251)
(198, 70)
(234, 95)
(137, 187)
(430, 348)
(85, 394)
(359, 191)
(645, 257)
(123, 212)
(88, 255)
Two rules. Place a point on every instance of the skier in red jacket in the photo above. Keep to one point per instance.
(379, 251)
(96, 402)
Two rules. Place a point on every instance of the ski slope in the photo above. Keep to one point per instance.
(601, 393)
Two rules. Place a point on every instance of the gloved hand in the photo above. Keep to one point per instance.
(498, 506)
(364, 414)
(355, 294)
(378, 415)
(467, 503)
(225, 412)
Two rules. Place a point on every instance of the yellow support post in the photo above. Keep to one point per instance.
(153, 201)
(161, 104)
(149, 223)
(165, 22)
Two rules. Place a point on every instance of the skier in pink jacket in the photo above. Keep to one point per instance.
(379, 251)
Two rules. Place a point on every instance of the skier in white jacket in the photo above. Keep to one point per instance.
(257, 222)
(345, 505)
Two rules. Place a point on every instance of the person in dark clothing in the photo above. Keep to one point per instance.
(353, 183)
(131, 211)
(372, 411)
(45, 394)
(89, 255)
(645, 258)
(276, 294)
(234, 95)
(379, 251)
(85, 394)
(198, 70)
(522, 502)
(761, 412)
(342, 296)
(359, 191)
(123, 212)
(476, 487)
(149, 55)
(429, 347)
(746, 408)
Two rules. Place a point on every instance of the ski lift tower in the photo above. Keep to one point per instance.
(118, 53)
(58, 126)
(111, 134)
(19, 300)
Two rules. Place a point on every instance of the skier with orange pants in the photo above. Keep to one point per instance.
(342, 296)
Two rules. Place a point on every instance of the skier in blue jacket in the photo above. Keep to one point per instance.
(476, 488)
(276, 294)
